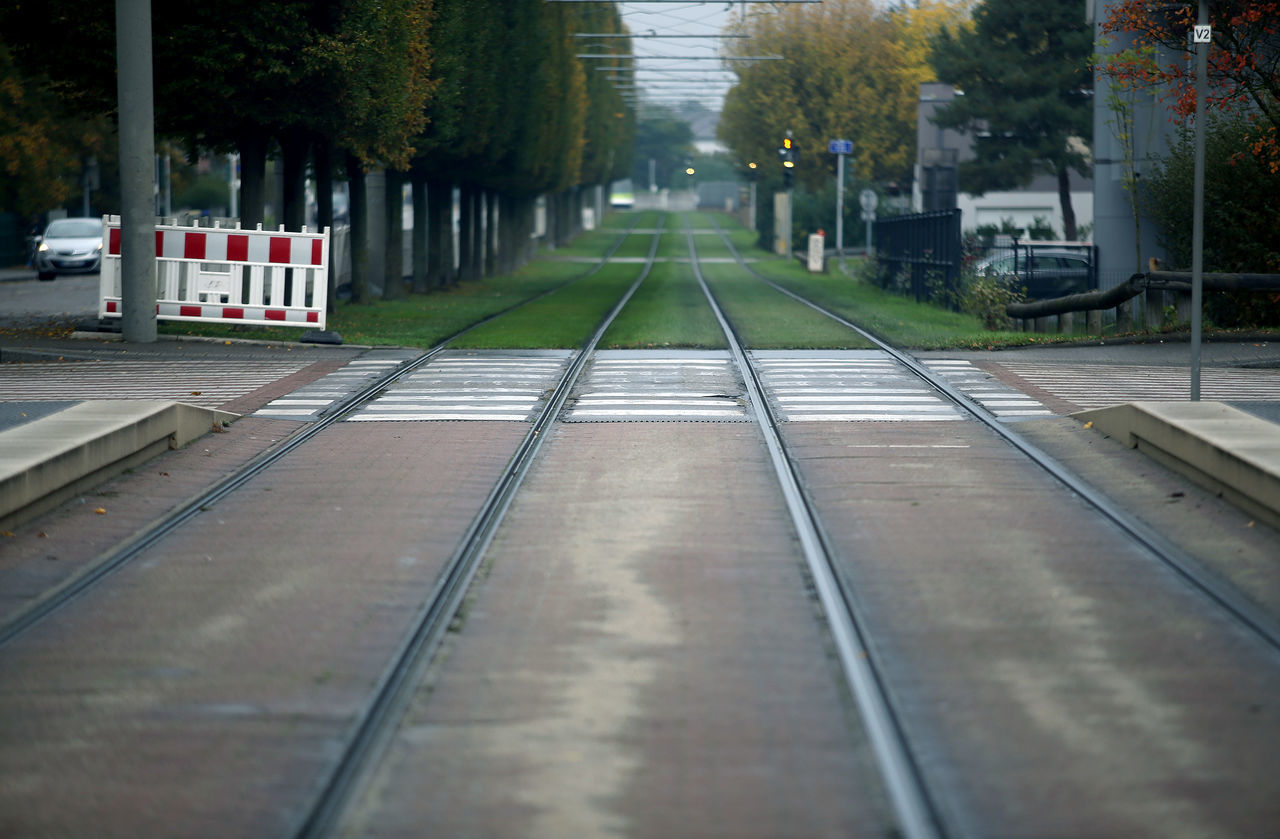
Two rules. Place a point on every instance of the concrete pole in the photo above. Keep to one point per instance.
(840, 208)
(1197, 223)
(137, 171)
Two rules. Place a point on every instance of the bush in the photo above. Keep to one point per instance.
(986, 298)
(1241, 217)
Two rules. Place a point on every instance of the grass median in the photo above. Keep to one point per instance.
(668, 310)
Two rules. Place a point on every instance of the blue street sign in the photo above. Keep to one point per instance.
(840, 147)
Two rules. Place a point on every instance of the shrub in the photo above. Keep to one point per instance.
(1241, 217)
(986, 298)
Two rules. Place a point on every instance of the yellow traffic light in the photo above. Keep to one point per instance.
(786, 142)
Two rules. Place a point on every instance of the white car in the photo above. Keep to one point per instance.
(69, 246)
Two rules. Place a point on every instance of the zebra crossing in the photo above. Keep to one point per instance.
(625, 385)
(847, 386)
(1100, 385)
(311, 402)
(633, 385)
(997, 397)
(457, 385)
(870, 386)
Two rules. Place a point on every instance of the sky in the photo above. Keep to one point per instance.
(677, 79)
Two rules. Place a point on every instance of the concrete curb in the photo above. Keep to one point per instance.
(42, 463)
(1219, 447)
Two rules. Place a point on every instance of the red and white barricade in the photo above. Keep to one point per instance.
(222, 275)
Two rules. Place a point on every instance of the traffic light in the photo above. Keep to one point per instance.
(787, 157)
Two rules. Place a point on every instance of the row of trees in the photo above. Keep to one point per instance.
(484, 96)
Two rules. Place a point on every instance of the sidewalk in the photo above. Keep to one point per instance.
(8, 275)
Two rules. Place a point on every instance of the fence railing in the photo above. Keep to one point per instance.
(1093, 303)
(925, 247)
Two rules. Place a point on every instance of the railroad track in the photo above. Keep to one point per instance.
(915, 802)
(54, 599)
(1231, 600)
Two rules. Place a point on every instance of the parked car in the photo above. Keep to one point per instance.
(1044, 274)
(69, 246)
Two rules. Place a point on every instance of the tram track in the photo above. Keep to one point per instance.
(917, 814)
(367, 740)
(1222, 593)
(104, 565)
(400, 680)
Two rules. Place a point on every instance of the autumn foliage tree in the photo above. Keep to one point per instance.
(852, 70)
(1244, 61)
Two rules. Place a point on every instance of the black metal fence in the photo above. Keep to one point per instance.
(922, 250)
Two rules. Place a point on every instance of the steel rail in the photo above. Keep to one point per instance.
(917, 813)
(112, 560)
(1190, 570)
(376, 726)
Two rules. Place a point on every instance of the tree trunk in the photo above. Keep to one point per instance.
(294, 148)
(323, 156)
(477, 234)
(393, 208)
(253, 179)
(466, 233)
(359, 231)
(1064, 198)
(528, 226)
(551, 215)
(437, 195)
(491, 265)
(421, 232)
(504, 240)
(448, 245)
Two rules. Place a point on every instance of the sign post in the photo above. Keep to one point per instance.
(840, 148)
(1202, 37)
(868, 199)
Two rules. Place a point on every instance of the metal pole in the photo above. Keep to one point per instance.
(786, 230)
(233, 188)
(137, 170)
(1197, 224)
(840, 208)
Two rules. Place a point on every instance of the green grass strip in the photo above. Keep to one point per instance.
(767, 319)
(561, 320)
(635, 246)
(899, 320)
(668, 310)
(595, 244)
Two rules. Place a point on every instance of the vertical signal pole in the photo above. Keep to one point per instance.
(137, 171)
(840, 148)
(1202, 36)
(787, 157)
